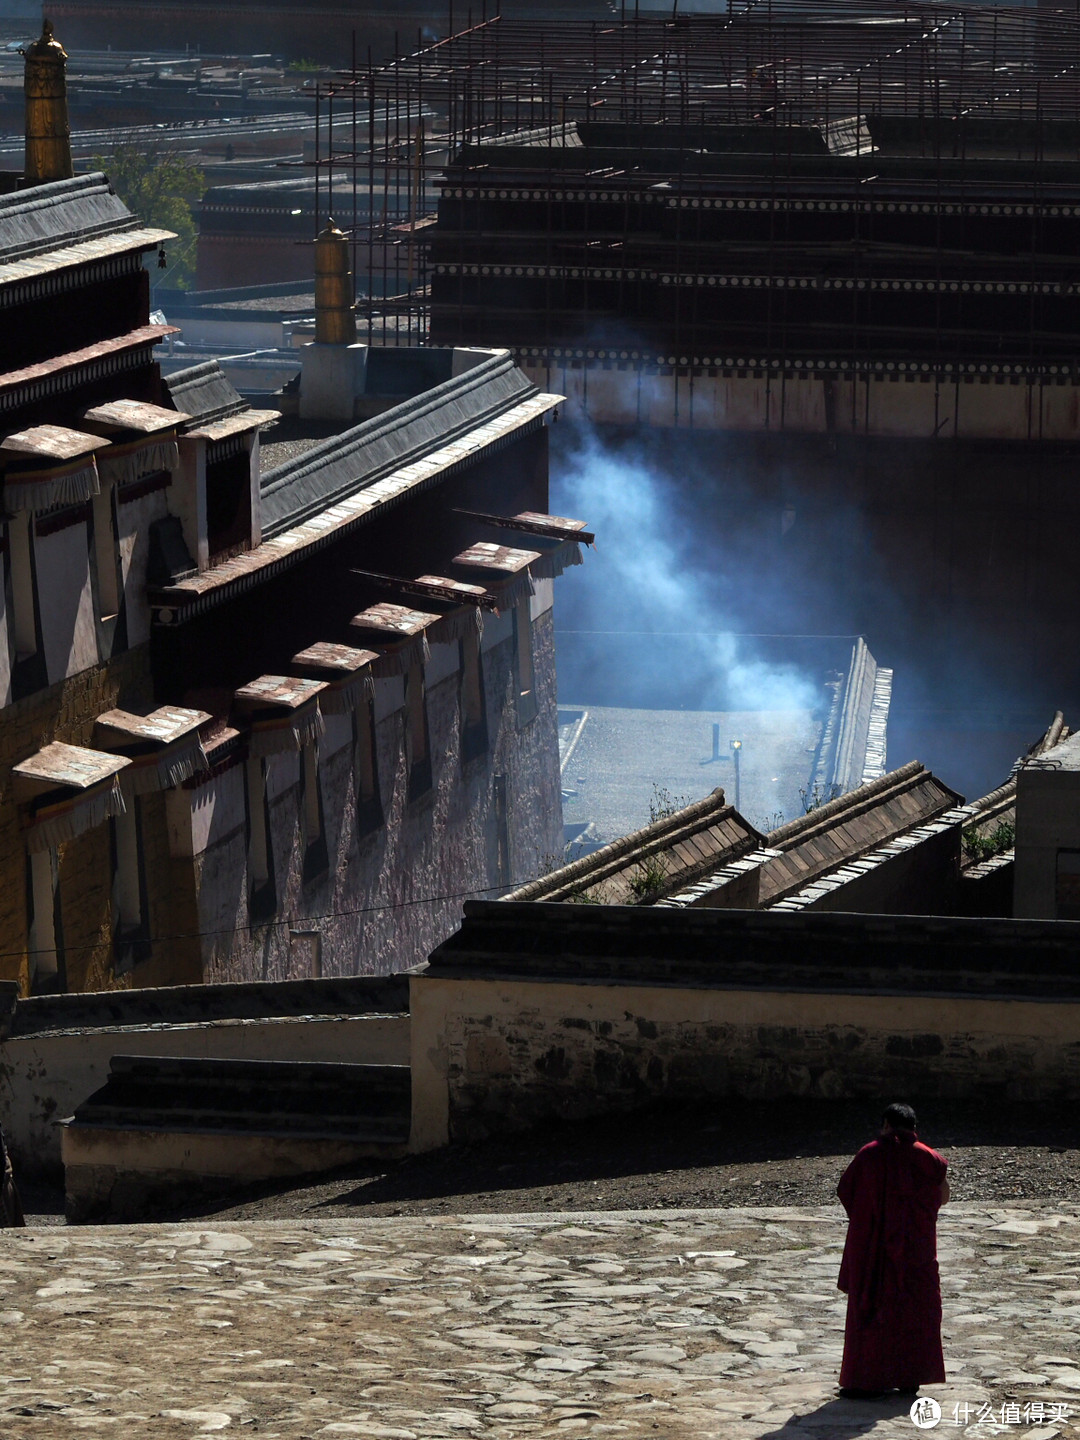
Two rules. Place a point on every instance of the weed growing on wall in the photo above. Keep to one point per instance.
(649, 880)
(663, 804)
(817, 796)
(996, 842)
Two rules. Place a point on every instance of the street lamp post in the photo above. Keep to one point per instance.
(736, 752)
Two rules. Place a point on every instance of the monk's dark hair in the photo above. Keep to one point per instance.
(900, 1117)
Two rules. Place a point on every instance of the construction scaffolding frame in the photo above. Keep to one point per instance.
(387, 131)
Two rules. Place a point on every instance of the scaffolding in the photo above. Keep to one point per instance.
(953, 87)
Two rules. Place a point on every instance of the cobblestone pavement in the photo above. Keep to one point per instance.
(692, 1324)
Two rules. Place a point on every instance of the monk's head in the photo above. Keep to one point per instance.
(898, 1117)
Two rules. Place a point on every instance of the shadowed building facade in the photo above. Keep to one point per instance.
(256, 722)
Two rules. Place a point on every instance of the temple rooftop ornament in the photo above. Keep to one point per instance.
(48, 133)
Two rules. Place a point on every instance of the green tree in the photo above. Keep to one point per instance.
(160, 186)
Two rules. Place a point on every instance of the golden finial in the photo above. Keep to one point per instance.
(48, 134)
(335, 317)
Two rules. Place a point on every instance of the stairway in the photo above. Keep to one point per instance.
(165, 1128)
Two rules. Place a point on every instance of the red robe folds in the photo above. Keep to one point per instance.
(892, 1192)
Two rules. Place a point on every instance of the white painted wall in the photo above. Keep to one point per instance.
(65, 602)
(133, 521)
(244, 333)
(1047, 829)
(205, 815)
(898, 404)
(45, 1077)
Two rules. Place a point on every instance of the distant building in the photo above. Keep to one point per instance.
(623, 760)
(260, 232)
(258, 723)
(852, 279)
(318, 31)
(899, 844)
(834, 254)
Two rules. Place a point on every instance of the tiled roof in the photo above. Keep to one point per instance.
(134, 415)
(34, 266)
(54, 442)
(336, 469)
(71, 766)
(195, 1004)
(359, 501)
(43, 218)
(69, 364)
(204, 392)
(851, 826)
(653, 861)
(809, 952)
(687, 859)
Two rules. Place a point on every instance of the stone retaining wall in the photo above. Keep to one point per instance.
(55, 1050)
(493, 1055)
(540, 1010)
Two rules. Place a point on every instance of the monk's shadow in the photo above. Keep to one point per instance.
(841, 1419)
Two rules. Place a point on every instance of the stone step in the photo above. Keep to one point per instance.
(276, 1096)
(162, 1126)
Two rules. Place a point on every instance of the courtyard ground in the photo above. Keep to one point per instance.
(685, 1325)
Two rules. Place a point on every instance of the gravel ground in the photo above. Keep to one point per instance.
(724, 1154)
(292, 437)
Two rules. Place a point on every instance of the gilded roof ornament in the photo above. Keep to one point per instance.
(48, 134)
(46, 47)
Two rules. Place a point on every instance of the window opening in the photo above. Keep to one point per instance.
(316, 856)
(106, 553)
(131, 939)
(228, 505)
(305, 954)
(43, 930)
(368, 800)
(263, 902)
(474, 737)
(20, 551)
(523, 653)
(417, 738)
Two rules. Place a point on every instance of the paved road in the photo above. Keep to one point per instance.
(680, 1326)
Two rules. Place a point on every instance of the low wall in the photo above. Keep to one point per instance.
(543, 1010)
(47, 1075)
(116, 1175)
(192, 1004)
(492, 1055)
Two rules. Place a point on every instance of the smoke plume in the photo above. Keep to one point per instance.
(652, 619)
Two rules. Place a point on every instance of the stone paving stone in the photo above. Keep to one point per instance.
(686, 1326)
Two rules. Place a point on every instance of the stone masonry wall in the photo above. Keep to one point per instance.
(491, 1055)
(64, 712)
(67, 711)
(390, 895)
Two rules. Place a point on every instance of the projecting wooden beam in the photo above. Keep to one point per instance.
(434, 587)
(554, 527)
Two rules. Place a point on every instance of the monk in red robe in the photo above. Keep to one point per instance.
(892, 1192)
(11, 1211)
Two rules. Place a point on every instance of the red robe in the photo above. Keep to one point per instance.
(892, 1193)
